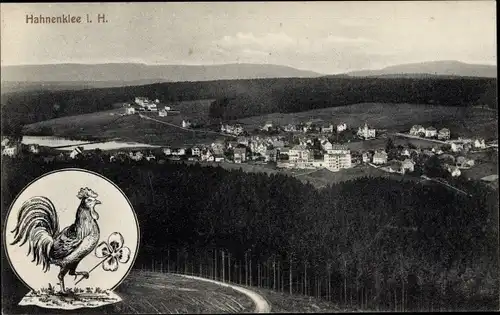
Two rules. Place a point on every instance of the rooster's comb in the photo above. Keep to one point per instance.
(86, 192)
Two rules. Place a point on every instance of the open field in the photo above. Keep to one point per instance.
(111, 125)
(246, 98)
(245, 167)
(319, 178)
(286, 303)
(149, 292)
(481, 170)
(323, 177)
(392, 117)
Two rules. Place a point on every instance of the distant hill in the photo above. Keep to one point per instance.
(20, 86)
(128, 72)
(431, 68)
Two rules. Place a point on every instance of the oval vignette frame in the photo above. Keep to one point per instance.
(4, 233)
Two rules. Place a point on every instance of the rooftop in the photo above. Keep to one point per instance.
(299, 147)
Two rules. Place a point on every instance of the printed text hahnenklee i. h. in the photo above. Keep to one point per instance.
(63, 19)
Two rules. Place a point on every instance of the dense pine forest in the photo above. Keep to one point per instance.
(371, 243)
(243, 98)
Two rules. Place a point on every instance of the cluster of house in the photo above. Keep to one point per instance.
(462, 144)
(430, 132)
(146, 103)
(16, 148)
(167, 111)
(306, 128)
(379, 158)
(230, 129)
(451, 163)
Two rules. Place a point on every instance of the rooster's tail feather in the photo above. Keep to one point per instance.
(37, 222)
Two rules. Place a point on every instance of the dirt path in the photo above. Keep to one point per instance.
(261, 305)
(187, 129)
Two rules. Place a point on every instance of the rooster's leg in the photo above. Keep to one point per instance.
(61, 275)
(85, 274)
(73, 272)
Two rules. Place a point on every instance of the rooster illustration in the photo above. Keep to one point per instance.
(37, 222)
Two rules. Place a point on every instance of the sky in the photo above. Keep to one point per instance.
(326, 37)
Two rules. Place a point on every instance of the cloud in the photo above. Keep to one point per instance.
(270, 41)
(306, 51)
(281, 42)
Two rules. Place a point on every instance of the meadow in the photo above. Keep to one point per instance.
(384, 117)
(112, 124)
(390, 117)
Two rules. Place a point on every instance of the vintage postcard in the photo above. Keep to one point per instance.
(249, 157)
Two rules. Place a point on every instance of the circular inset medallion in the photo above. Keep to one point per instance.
(71, 231)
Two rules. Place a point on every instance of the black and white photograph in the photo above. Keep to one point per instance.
(249, 157)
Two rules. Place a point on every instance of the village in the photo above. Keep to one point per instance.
(304, 146)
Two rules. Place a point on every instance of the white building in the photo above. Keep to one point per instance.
(417, 130)
(457, 146)
(299, 153)
(10, 151)
(367, 157)
(327, 129)
(339, 149)
(5, 141)
(195, 151)
(150, 157)
(34, 148)
(167, 151)
(407, 166)
(217, 148)
(136, 156)
(444, 134)
(162, 113)
(430, 132)
(267, 126)
(129, 111)
(479, 144)
(179, 152)
(454, 170)
(240, 155)
(338, 161)
(141, 101)
(326, 145)
(341, 127)
(186, 124)
(366, 132)
(76, 152)
(235, 130)
(151, 107)
(380, 157)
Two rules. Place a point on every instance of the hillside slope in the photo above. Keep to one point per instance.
(244, 98)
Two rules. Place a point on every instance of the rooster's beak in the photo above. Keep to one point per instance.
(97, 202)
